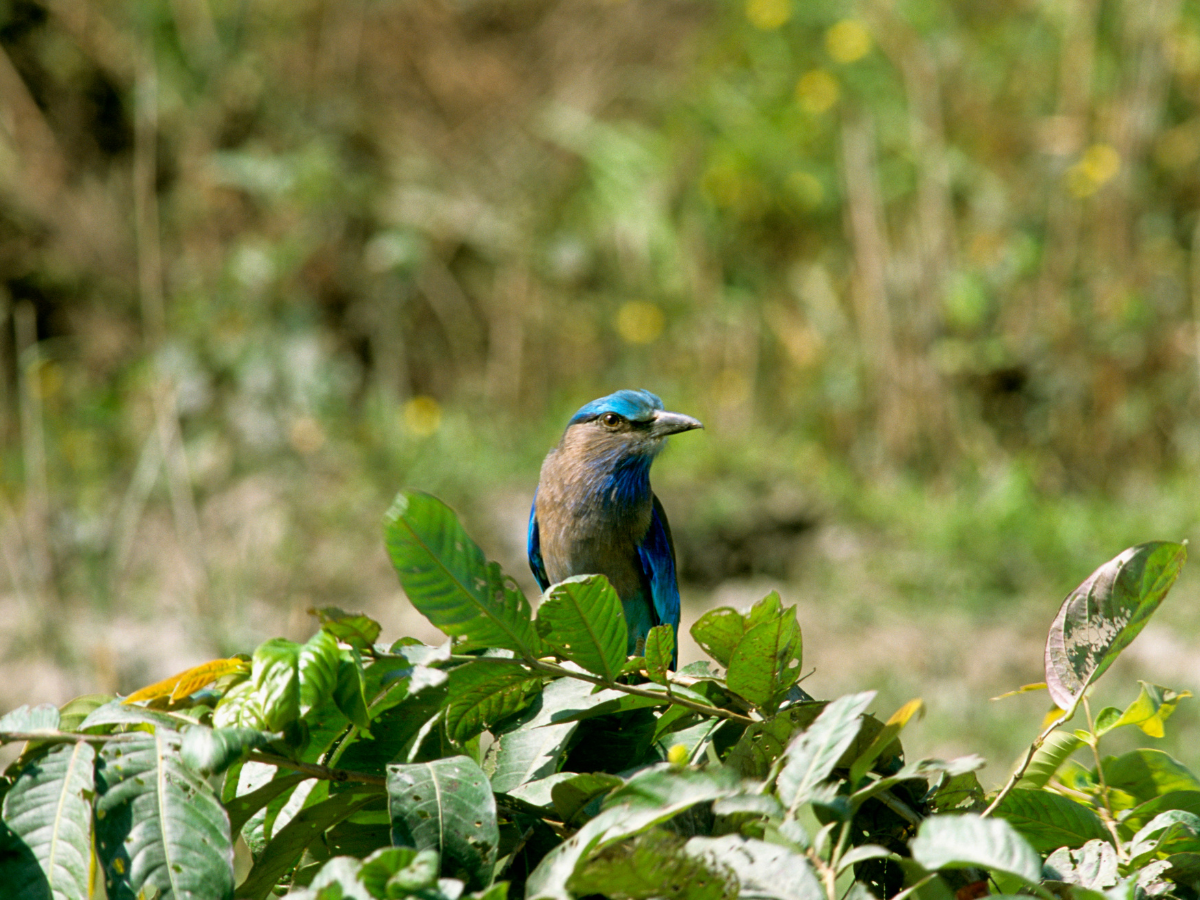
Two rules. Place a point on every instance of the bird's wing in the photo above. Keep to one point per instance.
(534, 547)
(657, 553)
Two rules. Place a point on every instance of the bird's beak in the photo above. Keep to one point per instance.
(672, 423)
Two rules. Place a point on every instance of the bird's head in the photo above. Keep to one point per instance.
(625, 425)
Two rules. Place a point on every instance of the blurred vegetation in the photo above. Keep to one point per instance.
(927, 271)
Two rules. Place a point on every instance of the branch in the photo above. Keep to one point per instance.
(670, 698)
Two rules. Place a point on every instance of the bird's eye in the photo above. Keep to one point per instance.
(612, 420)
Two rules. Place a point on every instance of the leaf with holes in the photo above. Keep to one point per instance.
(532, 746)
(451, 583)
(484, 692)
(446, 805)
(718, 632)
(48, 812)
(766, 661)
(158, 823)
(582, 620)
(1101, 616)
(660, 652)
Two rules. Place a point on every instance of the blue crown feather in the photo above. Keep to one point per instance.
(636, 406)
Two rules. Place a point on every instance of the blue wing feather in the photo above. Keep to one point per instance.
(534, 547)
(657, 553)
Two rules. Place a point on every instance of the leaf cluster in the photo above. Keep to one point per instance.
(528, 757)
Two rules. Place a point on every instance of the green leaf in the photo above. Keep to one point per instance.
(1134, 819)
(653, 865)
(662, 787)
(245, 805)
(240, 708)
(532, 746)
(337, 880)
(1148, 712)
(394, 731)
(1101, 616)
(921, 769)
(74, 712)
(396, 871)
(582, 620)
(966, 840)
(285, 847)
(1049, 821)
(1093, 866)
(811, 757)
(485, 691)
(1175, 831)
(355, 629)
(885, 739)
(762, 743)
(48, 810)
(573, 794)
(609, 702)
(762, 869)
(766, 660)
(1145, 773)
(158, 823)
(1048, 758)
(450, 582)
(533, 797)
(958, 793)
(100, 720)
(318, 665)
(660, 652)
(862, 853)
(647, 799)
(447, 806)
(211, 751)
(349, 691)
(275, 675)
(26, 719)
(718, 632)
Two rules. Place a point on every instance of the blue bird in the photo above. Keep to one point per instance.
(594, 512)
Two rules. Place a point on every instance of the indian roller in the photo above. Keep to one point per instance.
(594, 512)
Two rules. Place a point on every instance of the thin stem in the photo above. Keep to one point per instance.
(826, 871)
(550, 668)
(554, 669)
(1106, 812)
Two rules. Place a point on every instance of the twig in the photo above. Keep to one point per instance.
(555, 669)
(1106, 811)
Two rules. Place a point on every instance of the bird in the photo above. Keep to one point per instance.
(594, 512)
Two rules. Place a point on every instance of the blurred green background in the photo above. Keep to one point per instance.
(927, 270)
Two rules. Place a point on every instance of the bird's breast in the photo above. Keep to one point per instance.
(582, 536)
